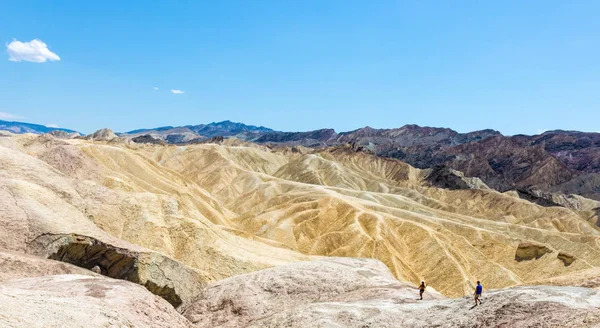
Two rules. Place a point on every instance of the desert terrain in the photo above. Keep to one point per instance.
(230, 233)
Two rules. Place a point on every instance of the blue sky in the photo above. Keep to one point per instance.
(514, 66)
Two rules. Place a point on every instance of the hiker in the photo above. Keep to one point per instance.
(422, 289)
(478, 291)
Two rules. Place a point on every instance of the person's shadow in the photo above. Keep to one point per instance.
(472, 307)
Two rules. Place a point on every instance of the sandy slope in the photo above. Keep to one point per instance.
(64, 188)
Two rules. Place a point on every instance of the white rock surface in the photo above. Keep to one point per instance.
(17, 266)
(344, 292)
(239, 300)
(83, 301)
(540, 306)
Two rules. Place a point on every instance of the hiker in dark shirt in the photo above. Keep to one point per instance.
(478, 291)
(422, 289)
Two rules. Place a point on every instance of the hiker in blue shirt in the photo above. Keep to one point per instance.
(478, 291)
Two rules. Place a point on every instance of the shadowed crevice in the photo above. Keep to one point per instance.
(567, 259)
(114, 262)
(529, 251)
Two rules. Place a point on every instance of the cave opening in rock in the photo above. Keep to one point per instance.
(114, 262)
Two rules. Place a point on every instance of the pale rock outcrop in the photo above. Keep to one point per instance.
(15, 265)
(36, 292)
(243, 299)
(518, 307)
(103, 135)
(83, 301)
(343, 292)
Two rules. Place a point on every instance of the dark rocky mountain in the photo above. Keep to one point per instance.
(160, 129)
(169, 134)
(504, 164)
(447, 178)
(148, 139)
(195, 133)
(578, 150)
(315, 138)
(414, 135)
(226, 129)
(21, 127)
(560, 161)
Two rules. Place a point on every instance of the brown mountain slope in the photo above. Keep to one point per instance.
(552, 161)
(578, 150)
(562, 161)
(504, 164)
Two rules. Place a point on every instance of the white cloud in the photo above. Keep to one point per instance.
(540, 131)
(52, 125)
(33, 51)
(9, 116)
(155, 89)
(177, 92)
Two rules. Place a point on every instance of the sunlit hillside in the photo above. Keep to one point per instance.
(231, 208)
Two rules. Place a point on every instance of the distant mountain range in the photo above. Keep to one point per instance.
(566, 162)
(408, 135)
(182, 134)
(20, 127)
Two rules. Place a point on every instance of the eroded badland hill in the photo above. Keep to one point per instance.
(237, 234)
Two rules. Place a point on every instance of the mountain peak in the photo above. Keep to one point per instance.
(22, 127)
(104, 134)
(226, 128)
